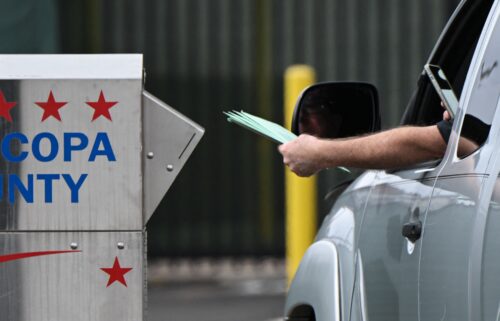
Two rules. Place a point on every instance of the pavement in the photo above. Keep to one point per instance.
(216, 290)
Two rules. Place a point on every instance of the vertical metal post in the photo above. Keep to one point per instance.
(300, 193)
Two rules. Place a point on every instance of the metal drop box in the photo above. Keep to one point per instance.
(86, 156)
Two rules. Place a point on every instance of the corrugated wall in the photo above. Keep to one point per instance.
(206, 56)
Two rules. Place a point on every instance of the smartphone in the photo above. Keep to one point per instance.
(443, 88)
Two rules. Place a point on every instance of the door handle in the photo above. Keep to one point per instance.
(413, 229)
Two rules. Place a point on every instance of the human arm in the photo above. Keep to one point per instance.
(399, 147)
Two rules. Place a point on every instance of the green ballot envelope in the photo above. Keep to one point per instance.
(264, 127)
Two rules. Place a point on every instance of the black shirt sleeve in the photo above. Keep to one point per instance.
(444, 128)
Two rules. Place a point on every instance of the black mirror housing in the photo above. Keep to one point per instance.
(337, 110)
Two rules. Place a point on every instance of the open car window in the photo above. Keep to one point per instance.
(453, 54)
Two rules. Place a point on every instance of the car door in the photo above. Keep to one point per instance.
(450, 263)
(389, 276)
(387, 263)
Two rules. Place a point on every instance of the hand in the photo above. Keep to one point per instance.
(301, 155)
(446, 114)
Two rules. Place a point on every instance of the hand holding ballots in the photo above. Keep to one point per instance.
(264, 127)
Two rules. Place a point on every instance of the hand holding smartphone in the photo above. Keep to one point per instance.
(443, 88)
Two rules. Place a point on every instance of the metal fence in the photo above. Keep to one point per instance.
(206, 56)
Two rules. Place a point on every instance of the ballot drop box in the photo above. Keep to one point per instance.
(86, 156)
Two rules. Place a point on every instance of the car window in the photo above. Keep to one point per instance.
(453, 54)
(483, 99)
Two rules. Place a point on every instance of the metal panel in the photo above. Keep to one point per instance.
(71, 66)
(71, 286)
(169, 140)
(110, 198)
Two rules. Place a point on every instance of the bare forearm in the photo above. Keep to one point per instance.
(394, 148)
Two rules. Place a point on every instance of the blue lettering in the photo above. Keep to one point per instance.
(106, 151)
(69, 147)
(48, 178)
(16, 184)
(6, 151)
(74, 187)
(54, 147)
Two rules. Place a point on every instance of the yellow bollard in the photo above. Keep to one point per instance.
(300, 193)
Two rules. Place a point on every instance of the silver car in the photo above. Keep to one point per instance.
(419, 243)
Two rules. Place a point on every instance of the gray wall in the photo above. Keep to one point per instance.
(28, 26)
(206, 56)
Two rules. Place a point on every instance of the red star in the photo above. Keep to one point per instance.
(101, 107)
(116, 273)
(5, 107)
(51, 107)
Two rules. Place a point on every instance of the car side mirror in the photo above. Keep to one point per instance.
(337, 110)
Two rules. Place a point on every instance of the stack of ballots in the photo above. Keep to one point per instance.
(260, 126)
(264, 127)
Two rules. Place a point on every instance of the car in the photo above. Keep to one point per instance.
(417, 243)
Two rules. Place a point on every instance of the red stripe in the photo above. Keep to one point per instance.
(25, 255)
